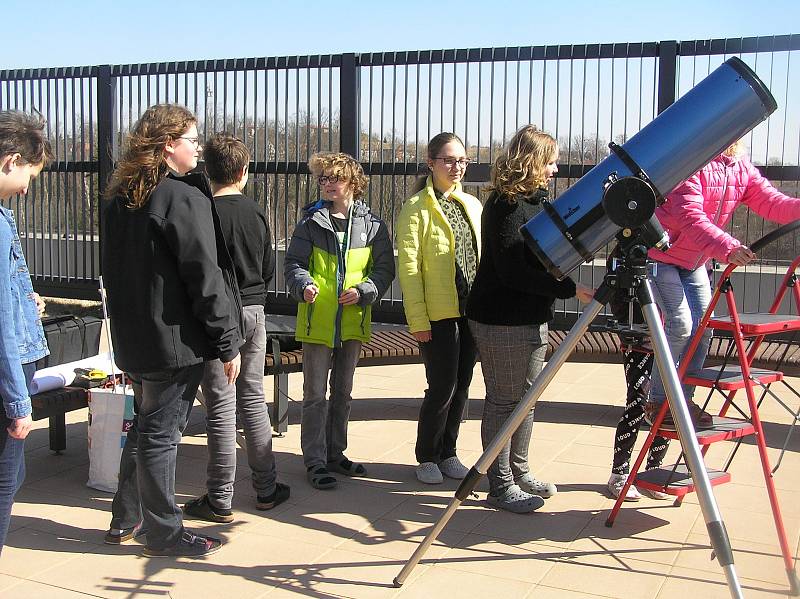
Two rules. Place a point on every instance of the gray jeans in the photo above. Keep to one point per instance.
(323, 432)
(246, 396)
(511, 358)
(146, 489)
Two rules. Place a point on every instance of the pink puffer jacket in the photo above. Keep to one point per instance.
(697, 210)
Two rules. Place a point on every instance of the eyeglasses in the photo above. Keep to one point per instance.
(451, 162)
(195, 141)
(323, 180)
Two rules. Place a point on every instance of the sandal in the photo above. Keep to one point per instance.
(320, 478)
(346, 467)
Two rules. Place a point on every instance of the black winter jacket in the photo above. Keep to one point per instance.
(511, 286)
(172, 293)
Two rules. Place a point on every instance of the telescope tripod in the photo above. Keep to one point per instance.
(631, 277)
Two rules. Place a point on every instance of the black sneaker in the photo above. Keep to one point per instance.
(190, 545)
(278, 496)
(200, 508)
(117, 536)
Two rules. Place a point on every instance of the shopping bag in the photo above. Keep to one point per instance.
(110, 418)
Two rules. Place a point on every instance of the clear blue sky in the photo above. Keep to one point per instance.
(87, 32)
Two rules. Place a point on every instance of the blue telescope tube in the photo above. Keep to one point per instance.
(716, 112)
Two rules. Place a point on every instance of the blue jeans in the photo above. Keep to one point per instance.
(12, 463)
(683, 297)
(146, 490)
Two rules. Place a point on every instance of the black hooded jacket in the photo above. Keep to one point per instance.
(172, 292)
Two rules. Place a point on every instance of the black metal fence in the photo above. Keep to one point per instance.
(382, 108)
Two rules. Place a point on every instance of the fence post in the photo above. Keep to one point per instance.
(106, 136)
(667, 73)
(349, 128)
(106, 124)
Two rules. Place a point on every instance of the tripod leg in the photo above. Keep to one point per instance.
(512, 424)
(680, 414)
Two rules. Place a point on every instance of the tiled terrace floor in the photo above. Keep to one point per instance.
(352, 542)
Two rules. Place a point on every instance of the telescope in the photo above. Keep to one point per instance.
(623, 190)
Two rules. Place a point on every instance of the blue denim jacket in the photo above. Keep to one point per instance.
(22, 340)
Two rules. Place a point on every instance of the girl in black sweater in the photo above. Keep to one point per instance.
(508, 308)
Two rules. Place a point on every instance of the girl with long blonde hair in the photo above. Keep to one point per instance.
(509, 307)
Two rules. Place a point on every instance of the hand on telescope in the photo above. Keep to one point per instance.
(584, 293)
(422, 336)
(741, 256)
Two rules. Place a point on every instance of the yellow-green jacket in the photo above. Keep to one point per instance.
(314, 256)
(426, 256)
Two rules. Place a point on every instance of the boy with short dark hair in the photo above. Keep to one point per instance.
(23, 153)
(247, 236)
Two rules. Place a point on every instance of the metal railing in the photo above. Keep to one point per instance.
(382, 108)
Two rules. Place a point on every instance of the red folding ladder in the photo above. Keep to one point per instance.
(735, 373)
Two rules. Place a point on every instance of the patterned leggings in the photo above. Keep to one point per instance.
(638, 366)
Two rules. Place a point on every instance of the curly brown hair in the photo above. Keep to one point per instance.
(343, 166)
(520, 168)
(143, 165)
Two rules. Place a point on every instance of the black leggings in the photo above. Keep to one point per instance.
(638, 366)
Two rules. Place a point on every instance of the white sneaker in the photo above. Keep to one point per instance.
(615, 484)
(660, 495)
(453, 468)
(429, 473)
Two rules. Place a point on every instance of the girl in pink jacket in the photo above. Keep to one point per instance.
(694, 215)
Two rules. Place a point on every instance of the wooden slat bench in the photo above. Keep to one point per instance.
(384, 348)
(399, 347)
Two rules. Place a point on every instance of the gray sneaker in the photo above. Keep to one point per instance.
(429, 473)
(530, 484)
(453, 468)
(515, 500)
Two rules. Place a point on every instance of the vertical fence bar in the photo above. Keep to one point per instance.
(106, 126)
(667, 65)
(349, 75)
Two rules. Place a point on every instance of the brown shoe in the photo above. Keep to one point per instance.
(701, 419)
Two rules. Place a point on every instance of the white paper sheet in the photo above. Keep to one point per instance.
(63, 375)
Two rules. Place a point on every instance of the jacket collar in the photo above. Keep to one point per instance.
(196, 179)
(359, 208)
(729, 160)
(431, 192)
(541, 193)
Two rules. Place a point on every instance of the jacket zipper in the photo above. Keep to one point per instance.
(722, 201)
(341, 253)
